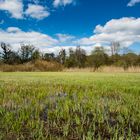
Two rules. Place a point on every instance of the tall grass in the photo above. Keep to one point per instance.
(29, 67)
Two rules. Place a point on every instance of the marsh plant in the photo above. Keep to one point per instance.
(73, 106)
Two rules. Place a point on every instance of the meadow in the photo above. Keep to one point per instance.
(69, 106)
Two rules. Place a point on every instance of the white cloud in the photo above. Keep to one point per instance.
(124, 30)
(57, 48)
(84, 41)
(64, 37)
(58, 3)
(133, 2)
(13, 29)
(15, 36)
(36, 11)
(14, 7)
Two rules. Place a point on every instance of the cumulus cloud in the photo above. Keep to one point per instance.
(64, 37)
(44, 42)
(124, 30)
(133, 2)
(58, 3)
(15, 36)
(13, 29)
(34, 8)
(84, 41)
(14, 7)
(36, 11)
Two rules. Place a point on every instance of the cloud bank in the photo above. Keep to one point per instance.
(15, 36)
(64, 37)
(125, 30)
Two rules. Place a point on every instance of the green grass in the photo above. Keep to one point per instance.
(75, 106)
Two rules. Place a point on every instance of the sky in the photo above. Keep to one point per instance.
(51, 25)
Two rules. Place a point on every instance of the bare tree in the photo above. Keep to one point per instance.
(62, 56)
(115, 48)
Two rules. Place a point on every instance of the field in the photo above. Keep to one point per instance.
(73, 106)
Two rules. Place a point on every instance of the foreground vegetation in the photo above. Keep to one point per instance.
(75, 106)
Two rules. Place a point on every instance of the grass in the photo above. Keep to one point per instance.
(35, 66)
(73, 106)
(106, 69)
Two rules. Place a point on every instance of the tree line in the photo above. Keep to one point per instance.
(73, 58)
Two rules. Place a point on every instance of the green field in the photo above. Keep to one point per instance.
(69, 106)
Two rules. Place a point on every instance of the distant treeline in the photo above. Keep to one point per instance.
(28, 54)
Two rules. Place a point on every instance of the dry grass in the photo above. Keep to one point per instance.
(78, 69)
(30, 67)
(42, 66)
(106, 69)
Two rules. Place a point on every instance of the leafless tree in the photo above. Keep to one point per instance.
(115, 48)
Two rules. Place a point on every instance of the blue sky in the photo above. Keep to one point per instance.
(54, 24)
